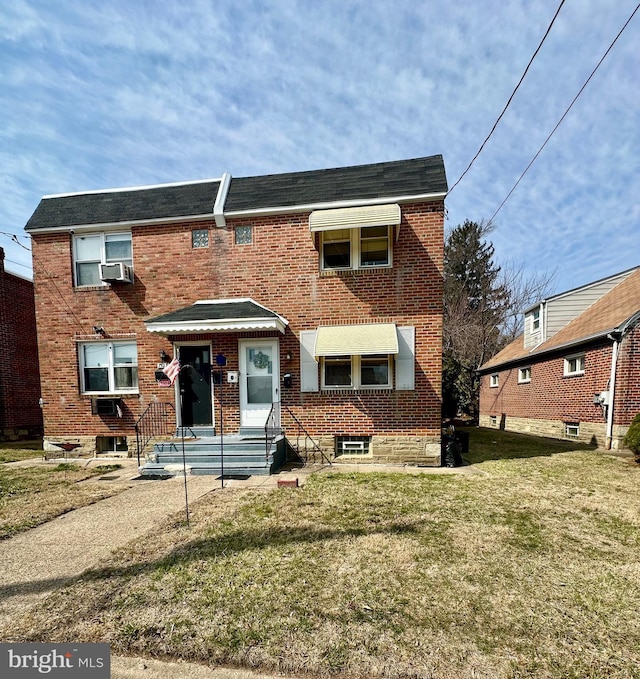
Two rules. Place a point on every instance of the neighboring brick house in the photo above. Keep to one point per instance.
(322, 289)
(575, 372)
(20, 412)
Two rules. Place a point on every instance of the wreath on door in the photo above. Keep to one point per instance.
(260, 360)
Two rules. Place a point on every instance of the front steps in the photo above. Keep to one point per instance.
(242, 454)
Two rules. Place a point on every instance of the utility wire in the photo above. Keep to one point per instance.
(564, 115)
(535, 54)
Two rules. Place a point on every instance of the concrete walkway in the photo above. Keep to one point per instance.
(45, 558)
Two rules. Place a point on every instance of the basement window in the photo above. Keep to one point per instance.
(112, 444)
(352, 445)
(572, 430)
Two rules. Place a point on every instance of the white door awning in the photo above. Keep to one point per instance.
(355, 217)
(351, 340)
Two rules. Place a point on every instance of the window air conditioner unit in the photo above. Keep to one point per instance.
(118, 272)
(105, 406)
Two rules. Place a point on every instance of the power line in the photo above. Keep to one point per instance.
(544, 37)
(564, 115)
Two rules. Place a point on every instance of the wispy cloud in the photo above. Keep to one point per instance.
(98, 95)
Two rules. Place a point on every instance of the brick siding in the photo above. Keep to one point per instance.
(551, 399)
(280, 270)
(20, 412)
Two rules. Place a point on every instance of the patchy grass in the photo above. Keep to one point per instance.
(530, 569)
(20, 450)
(30, 496)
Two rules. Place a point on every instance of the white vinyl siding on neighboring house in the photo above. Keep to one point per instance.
(93, 249)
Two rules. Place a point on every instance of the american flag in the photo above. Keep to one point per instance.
(172, 370)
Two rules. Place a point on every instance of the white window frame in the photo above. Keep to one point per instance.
(535, 320)
(104, 236)
(493, 420)
(355, 249)
(569, 426)
(524, 375)
(356, 374)
(494, 380)
(579, 362)
(111, 367)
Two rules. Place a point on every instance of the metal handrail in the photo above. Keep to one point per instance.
(315, 448)
(273, 426)
(153, 422)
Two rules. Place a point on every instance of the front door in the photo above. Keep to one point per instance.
(259, 380)
(195, 385)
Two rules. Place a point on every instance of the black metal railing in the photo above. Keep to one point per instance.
(154, 421)
(273, 426)
(305, 446)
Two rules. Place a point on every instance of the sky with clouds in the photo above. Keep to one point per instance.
(135, 92)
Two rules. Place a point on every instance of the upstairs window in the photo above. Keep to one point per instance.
(574, 365)
(535, 320)
(92, 250)
(108, 367)
(524, 375)
(493, 380)
(361, 248)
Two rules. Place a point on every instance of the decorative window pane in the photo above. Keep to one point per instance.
(200, 238)
(243, 235)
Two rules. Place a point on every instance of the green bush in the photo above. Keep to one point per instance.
(632, 437)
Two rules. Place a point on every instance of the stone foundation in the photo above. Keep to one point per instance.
(414, 450)
(20, 433)
(87, 447)
(591, 433)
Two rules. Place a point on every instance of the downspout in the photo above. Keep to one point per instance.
(221, 197)
(612, 389)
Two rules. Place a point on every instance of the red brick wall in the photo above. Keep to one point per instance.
(280, 270)
(19, 374)
(550, 395)
(628, 379)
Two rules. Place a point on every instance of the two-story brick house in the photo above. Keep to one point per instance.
(575, 371)
(322, 290)
(20, 413)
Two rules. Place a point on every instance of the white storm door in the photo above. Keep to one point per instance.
(259, 380)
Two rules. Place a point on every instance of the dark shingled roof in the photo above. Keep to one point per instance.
(361, 182)
(128, 205)
(215, 312)
(395, 179)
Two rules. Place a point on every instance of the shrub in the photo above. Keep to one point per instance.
(632, 437)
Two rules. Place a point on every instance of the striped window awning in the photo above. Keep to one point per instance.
(352, 340)
(355, 217)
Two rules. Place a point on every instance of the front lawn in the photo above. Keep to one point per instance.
(33, 495)
(529, 568)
